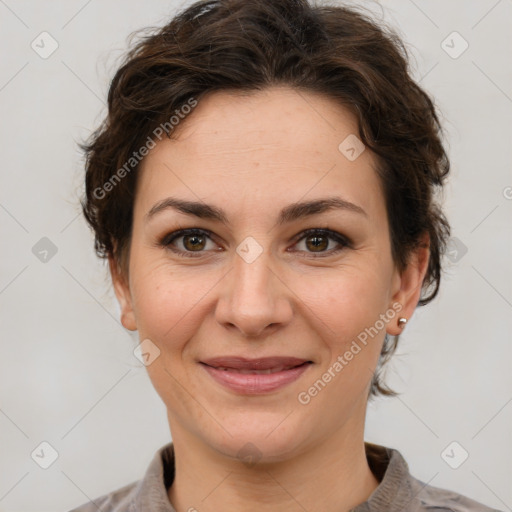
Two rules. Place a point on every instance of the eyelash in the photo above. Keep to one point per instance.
(167, 240)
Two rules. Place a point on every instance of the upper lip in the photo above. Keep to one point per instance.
(264, 363)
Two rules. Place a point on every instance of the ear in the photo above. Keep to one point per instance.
(122, 291)
(407, 284)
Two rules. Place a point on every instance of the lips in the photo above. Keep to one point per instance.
(264, 365)
(255, 376)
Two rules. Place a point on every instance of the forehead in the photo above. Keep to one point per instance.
(278, 144)
(279, 117)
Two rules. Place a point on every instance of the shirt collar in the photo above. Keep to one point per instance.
(151, 492)
(393, 494)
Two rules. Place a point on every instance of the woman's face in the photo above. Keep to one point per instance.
(253, 285)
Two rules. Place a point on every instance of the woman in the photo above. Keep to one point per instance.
(263, 188)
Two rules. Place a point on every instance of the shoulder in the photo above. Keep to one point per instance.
(148, 493)
(400, 490)
(120, 500)
(428, 497)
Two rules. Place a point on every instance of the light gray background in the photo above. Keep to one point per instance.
(68, 375)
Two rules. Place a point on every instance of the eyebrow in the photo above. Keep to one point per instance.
(289, 213)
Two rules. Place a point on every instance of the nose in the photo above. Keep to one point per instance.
(255, 299)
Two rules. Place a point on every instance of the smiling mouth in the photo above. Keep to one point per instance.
(255, 376)
(253, 371)
(263, 365)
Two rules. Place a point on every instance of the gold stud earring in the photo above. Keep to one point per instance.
(401, 322)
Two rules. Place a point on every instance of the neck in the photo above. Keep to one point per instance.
(331, 476)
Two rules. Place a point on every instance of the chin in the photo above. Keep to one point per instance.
(257, 439)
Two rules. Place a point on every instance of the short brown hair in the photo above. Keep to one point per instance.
(249, 45)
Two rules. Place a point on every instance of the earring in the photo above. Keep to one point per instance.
(401, 322)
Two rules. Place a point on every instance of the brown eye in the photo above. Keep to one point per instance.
(194, 242)
(317, 243)
(187, 242)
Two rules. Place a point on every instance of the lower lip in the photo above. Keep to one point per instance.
(255, 384)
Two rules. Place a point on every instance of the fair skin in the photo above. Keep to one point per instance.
(251, 156)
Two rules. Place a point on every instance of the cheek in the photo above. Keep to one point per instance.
(345, 301)
(346, 306)
(165, 305)
(346, 309)
(171, 307)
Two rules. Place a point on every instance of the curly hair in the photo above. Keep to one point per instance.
(249, 45)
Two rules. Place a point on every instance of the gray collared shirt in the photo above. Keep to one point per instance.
(398, 490)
